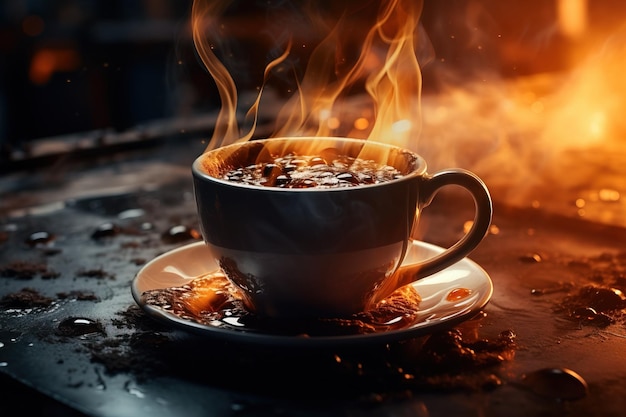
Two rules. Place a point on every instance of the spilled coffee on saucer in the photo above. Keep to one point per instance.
(313, 171)
(212, 300)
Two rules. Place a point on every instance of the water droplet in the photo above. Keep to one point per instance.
(458, 294)
(180, 233)
(589, 315)
(105, 230)
(584, 313)
(79, 326)
(131, 214)
(40, 239)
(557, 383)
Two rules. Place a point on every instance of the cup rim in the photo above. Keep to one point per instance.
(420, 170)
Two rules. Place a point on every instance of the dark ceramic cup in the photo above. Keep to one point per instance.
(323, 252)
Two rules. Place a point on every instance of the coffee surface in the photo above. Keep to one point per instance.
(311, 171)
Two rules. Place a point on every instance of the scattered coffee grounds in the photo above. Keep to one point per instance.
(448, 360)
(27, 270)
(138, 261)
(306, 171)
(25, 298)
(599, 303)
(137, 353)
(31, 298)
(212, 299)
(143, 353)
(78, 295)
(95, 273)
(594, 305)
(135, 318)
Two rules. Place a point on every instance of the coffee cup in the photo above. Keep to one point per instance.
(323, 249)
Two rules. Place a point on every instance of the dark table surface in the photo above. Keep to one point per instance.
(73, 235)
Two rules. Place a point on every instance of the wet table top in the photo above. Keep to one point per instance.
(550, 342)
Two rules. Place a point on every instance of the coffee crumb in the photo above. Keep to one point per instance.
(98, 273)
(25, 298)
(78, 295)
(135, 318)
(27, 270)
(138, 261)
(136, 353)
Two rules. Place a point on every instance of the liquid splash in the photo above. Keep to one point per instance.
(212, 300)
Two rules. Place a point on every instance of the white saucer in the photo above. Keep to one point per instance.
(177, 267)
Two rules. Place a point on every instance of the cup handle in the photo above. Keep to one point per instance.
(407, 274)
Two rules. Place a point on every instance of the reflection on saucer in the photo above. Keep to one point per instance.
(173, 288)
(212, 300)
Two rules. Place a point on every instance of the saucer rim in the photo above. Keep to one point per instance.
(229, 334)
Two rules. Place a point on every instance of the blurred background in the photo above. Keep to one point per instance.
(89, 75)
(71, 66)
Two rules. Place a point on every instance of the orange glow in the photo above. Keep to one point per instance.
(211, 293)
(572, 17)
(385, 68)
(361, 123)
(45, 62)
(458, 294)
(542, 140)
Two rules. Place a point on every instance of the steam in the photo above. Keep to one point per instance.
(552, 140)
(343, 59)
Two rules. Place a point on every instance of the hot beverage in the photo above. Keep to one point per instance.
(306, 171)
(318, 227)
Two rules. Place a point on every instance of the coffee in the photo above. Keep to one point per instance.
(318, 227)
(212, 300)
(308, 171)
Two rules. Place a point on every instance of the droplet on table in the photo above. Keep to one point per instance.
(557, 383)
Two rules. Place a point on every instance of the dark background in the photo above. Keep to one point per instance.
(72, 66)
